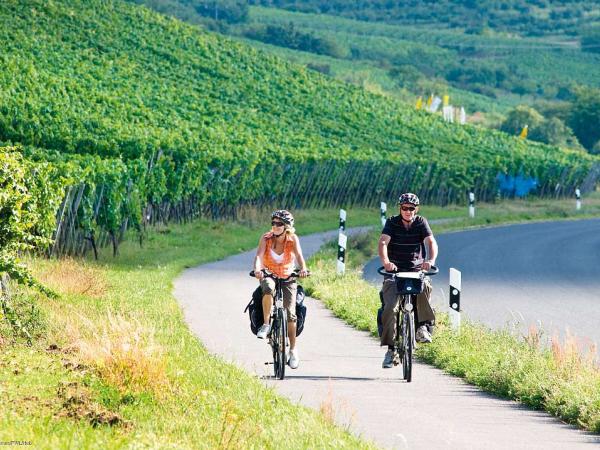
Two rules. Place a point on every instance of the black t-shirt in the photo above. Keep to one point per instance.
(406, 248)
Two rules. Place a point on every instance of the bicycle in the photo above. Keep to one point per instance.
(278, 336)
(408, 285)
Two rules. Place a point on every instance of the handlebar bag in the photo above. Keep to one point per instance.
(409, 285)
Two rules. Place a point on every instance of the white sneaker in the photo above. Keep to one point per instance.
(294, 359)
(263, 331)
(423, 335)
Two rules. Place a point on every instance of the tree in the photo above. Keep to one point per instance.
(590, 41)
(554, 131)
(585, 116)
(520, 116)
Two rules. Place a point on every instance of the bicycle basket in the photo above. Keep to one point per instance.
(409, 285)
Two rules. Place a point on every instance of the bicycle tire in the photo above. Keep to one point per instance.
(274, 345)
(407, 343)
(281, 341)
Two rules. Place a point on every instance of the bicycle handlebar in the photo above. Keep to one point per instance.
(432, 271)
(275, 277)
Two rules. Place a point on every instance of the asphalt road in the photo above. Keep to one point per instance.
(341, 368)
(543, 274)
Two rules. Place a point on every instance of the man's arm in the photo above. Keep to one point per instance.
(432, 252)
(384, 240)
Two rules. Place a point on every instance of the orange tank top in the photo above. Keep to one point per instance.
(282, 268)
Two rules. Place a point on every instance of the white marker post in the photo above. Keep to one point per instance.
(471, 204)
(383, 211)
(578, 199)
(454, 302)
(342, 241)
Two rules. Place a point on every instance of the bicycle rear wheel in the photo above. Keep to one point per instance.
(407, 345)
(279, 340)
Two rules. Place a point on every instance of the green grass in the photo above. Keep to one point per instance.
(56, 397)
(562, 379)
(52, 394)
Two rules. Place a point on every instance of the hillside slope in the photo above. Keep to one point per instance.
(201, 119)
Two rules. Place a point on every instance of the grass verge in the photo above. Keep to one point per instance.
(112, 364)
(561, 380)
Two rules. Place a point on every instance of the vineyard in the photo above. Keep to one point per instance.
(114, 117)
(542, 63)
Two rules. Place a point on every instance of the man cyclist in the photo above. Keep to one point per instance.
(401, 250)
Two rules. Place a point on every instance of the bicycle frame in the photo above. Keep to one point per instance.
(404, 340)
(278, 336)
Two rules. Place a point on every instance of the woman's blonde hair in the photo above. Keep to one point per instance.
(289, 230)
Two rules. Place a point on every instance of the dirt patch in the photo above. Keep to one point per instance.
(76, 404)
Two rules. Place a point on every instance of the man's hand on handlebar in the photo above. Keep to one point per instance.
(427, 265)
(390, 267)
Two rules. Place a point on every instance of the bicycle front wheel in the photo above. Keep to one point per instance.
(280, 336)
(407, 345)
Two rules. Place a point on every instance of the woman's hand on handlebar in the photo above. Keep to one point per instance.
(390, 267)
(303, 273)
(258, 274)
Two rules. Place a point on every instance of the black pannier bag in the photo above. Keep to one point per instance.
(300, 310)
(380, 315)
(255, 310)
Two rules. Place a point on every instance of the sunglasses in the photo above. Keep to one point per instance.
(407, 208)
(277, 224)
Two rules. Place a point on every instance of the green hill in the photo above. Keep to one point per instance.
(530, 18)
(139, 109)
(487, 69)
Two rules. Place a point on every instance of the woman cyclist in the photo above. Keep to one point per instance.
(279, 252)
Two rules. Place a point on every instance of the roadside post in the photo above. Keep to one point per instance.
(342, 241)
(471, 204)
(383, 211)
(578, 199)
(454, 301)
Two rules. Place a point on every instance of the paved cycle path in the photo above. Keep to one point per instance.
(340, 371)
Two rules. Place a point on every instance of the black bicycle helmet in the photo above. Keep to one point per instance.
(283, 215)
(408, 198)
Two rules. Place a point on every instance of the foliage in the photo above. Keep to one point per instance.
(27, 205)
(515, 16)
(519, 117)
(172, 122)
(554, 131)
(497, 66)
(288, 36)
(585, 116)
(590, 41)
(210, 13)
